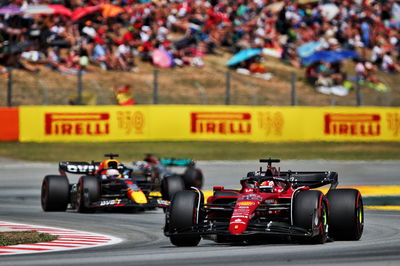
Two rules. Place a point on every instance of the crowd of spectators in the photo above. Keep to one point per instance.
(189, 29)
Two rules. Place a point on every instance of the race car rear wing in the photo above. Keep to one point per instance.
(78, 167)
(176, 162)
(311, 179)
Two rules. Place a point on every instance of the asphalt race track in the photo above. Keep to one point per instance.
(144, 243)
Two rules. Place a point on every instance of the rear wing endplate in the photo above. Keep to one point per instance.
(312, 179)
(78, 167)
(176, 162)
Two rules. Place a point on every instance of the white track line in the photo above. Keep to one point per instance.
(68, 239)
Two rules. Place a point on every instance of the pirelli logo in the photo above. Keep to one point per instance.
(353, 124)
(77, 124)
(221, 123)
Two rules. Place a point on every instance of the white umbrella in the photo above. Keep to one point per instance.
(37, 9)
(329, 11)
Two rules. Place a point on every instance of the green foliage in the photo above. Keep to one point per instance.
(202, 150)
(24, 237)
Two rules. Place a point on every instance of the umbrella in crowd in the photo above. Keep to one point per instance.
(10, 10)
(303, 2)
(46, 9)
(329, 11)
(308, 49)
(276, 6)
(82, 12)
(109, 10)
(330, 56)
(162, 58)
(243, 55)
(37, 9)
(60, 9)
(274, 52)
(395, 22)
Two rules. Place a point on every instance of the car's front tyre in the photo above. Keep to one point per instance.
(310, 212)
(184, 212)
(88, 191)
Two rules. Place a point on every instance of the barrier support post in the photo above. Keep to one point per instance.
(79, 94)
(228, 88)
(359, 99)
(293, 86)
(155, 87)
(9, 87)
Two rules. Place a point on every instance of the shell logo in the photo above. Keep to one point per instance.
(246, 203)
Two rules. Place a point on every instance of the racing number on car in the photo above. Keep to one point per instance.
(110, 202)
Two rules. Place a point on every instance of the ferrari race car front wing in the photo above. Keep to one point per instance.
(221, 228)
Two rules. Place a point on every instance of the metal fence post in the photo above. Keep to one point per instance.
(155, 87)
(9, 87)
(79, 95)
(358, 90)
(228, 88)
(293, 86)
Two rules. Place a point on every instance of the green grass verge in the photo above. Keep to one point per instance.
(24, 237)
(53, 152)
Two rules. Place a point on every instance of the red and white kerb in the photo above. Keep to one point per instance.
(68, 239)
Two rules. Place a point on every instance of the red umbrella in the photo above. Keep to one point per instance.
(84, 11)
(60, 9)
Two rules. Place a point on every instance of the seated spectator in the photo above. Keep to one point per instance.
(312, 73)
(388, 64)
(99, 54)
(55, 62)
(324, 75)
(123, 95)
(125, 57)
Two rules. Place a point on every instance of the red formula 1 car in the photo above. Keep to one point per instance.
(269, 204)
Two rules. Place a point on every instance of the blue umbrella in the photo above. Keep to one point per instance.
(308, 49)
(329, 56)
(242, 56)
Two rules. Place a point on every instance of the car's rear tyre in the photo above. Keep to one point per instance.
(88, 191)
(182, 215)
(346, 214)
(193, 177)
(55, 193)
(310, 212)
(170, 185)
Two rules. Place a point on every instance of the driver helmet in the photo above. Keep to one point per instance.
(113, 173)
(267, 186)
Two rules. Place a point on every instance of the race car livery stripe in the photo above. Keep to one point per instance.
(385, 208)
(371, 190)
(68, 239)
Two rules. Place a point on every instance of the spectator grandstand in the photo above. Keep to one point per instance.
(66, 35)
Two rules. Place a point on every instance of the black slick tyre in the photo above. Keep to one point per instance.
(55, 193)
(310, 212)
(346, 215)
(193, 177)
(88, 191)
(170, 185)
(183, 214)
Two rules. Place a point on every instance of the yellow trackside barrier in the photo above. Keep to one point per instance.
(214, 123)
